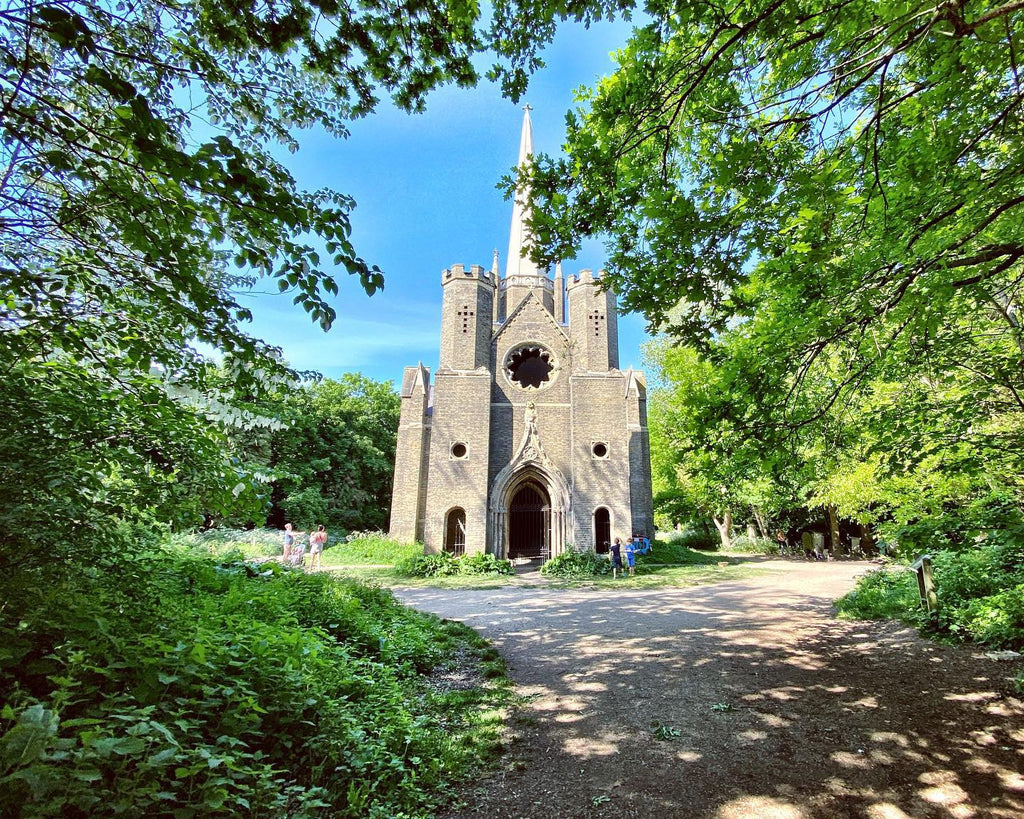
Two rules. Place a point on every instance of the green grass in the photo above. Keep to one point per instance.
(369, 548)
(390, 576)
(646, 578)
(664, 577)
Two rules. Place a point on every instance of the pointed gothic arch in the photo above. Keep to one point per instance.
(513, 484)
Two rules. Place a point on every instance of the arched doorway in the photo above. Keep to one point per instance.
(529, 522)
(455, 532)
(602, 531)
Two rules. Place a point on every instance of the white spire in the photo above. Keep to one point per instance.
(519, 236)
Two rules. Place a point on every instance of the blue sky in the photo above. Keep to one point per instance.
(426, 199)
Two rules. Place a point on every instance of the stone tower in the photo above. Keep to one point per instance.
(530, 440)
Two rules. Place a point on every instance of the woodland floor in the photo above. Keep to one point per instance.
(740, 699)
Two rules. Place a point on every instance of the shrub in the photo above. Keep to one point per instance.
(882, 594)
(754, 545)
(996, 620)
(484, 563)
(700, 539)
(441, 564)
(980, 593)
(305, 508)
(571, 564)
(444, 564)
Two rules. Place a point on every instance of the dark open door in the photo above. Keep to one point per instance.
(528, 523)
(602, 531)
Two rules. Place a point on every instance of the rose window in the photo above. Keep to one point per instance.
(530, 367)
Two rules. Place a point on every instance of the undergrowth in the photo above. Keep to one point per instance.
(444, 564)
(571, 565)
(677, 552)
(354, 548)
(703, 539)
(173, 683)
(980, 593)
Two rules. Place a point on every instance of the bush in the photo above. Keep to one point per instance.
(305, 508)
(676, 552)
(444, 564)
(173, 683)
(483, 563)
(980, 593)
(754, 545)
(573, 565)
(700, 539)
(441, 564)
(882, 594)
(996, 620)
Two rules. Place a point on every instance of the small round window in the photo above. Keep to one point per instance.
(459, 450)
(530, 367)
(600, 450)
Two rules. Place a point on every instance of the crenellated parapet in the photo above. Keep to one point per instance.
(458, 272)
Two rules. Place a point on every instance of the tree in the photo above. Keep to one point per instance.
(138, 190)
(335, 461)
(825, 199)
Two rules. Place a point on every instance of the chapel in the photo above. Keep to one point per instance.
(529, 440)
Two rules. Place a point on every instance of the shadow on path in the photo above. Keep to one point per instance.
(742, 699)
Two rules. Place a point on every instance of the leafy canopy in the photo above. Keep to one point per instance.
(138, 192)
(825, 200)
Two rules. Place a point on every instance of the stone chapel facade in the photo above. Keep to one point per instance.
(530, 440)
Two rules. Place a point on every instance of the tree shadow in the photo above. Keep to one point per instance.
(739, 699)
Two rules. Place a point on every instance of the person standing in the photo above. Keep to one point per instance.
(288, 540)
(317, 541)
(631, 555)
(616, 558)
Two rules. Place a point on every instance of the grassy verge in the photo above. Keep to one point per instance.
(980, 595)
(390, 576)
(654, 577)
(176, 683)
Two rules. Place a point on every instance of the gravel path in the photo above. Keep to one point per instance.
(741, 699)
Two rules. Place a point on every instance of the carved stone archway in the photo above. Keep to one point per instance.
(529, 465)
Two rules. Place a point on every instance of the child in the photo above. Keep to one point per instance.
(317, 540)
(616, 558)
(630, 555)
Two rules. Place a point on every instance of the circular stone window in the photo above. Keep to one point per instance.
(530, 367)
(459, 450)
(600, 450)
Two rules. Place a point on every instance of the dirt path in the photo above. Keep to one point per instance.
(767, 706)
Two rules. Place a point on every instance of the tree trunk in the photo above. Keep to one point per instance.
(867, 539)
(724, 527)
(833, 526)
(760, 522)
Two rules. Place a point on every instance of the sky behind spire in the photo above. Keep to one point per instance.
(519, 236)
(426, 195)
